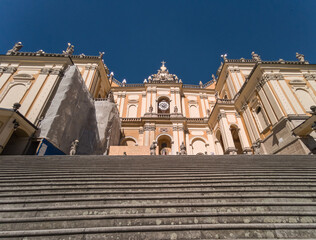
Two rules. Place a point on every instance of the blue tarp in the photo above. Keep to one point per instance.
(47, 148)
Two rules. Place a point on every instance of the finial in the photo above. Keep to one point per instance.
(163, 67)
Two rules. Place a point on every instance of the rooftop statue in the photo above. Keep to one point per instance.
(300, 57)
(17, 47)
(256, 57)
(70, 50)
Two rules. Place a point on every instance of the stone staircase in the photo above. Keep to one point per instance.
(158, 197)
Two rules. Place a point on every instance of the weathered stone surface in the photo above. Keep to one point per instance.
(158, 197)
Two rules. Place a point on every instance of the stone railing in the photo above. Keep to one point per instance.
(134, 85)
(131, 119)
(225, 101)
(195, 119)
(190, 86)
(99, 99)
(163, 115)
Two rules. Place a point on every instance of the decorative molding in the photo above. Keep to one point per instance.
(310, 77)
(272, 76)
(221, 115)
(45, 70)
(10, 70)
(297, 82)
(149, 128)
(58, 72)
(163, 130)
(3, 69)
(23, 76)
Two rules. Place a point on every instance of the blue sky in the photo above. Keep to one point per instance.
(137, 35)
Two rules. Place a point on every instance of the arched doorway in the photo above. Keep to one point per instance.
(164, 145)
(17, 143)
(234, 130)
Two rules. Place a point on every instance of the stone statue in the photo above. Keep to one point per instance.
(164, 151)
(300, 57)
(73, 148)
(151, 109)
(153, 148)
(224, 56)
(70, 50)
(213, 78)
(110, 97)
(183, 149)
(101, 54)
(175, 109)
(201, 84)
(17, 47)
(256, 148)
(255, 57)
(124, 82)
(40, 52)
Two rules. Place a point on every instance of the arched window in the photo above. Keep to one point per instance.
(262, 118)
(194, 111)
(13, 95)
(132, 111)
(305, 99)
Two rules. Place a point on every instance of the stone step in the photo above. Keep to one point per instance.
(15, 224)
(92, 200)
(185, 231)
(173, 207)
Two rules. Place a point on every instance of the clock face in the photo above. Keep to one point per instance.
(163, 105)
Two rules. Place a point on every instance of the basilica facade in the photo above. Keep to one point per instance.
(251, 107)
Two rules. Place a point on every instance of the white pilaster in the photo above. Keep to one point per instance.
(252, 124)
(203, 104)
(183, 108)
(122, 103)
(143, 111)
(226, 133)
(153, 100)
(242, 135)
(172, 103)
(148, 99)
(181, 134)
(274, 103)
(267, 106)
(281, 96)
(211, 145)
(175, 146)
(187, 143)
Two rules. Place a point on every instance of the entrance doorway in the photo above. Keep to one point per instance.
(164, 145)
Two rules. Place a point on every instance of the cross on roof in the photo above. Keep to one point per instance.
(163, 63)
